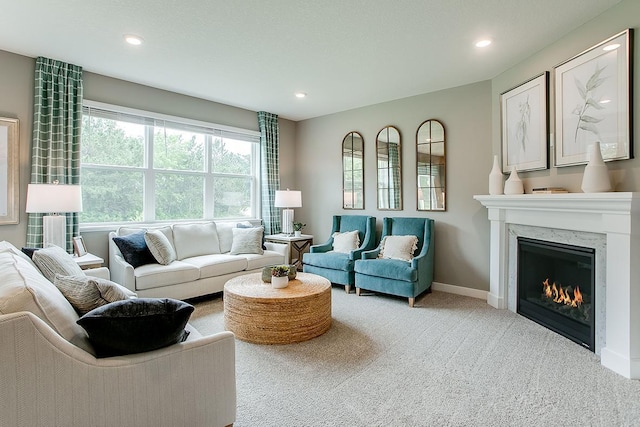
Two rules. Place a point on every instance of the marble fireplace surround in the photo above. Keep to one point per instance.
(608, 222)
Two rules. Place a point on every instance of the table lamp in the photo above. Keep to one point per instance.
(288, 199)
(54, 199)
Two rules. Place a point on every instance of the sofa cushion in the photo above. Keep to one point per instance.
(24, 288)
(217, 265)
(160, 247)
(156, 275)
(247, 224)
(247, 241)
(86, 293)
(332, 260)
(8, 247)
(195, 239)
(134, 249)
(398, 247)
(55, 260)
(255, 261)
(393, 269)
(136, 325)
(346, 242)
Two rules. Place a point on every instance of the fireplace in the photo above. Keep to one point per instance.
(556, 288)
(608, 222)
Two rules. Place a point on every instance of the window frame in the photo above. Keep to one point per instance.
(211, 131)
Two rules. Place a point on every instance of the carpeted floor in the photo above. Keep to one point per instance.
(450, 361)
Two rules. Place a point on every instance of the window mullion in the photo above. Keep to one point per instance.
(149, 210)
(208, 178)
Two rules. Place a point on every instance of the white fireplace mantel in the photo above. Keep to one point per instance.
(615, 215)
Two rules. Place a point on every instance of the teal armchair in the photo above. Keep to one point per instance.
(397, 277)
(337, 267)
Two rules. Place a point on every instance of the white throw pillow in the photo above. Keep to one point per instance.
(398, 247)
(225, 235)
(195, 239)
(346, 242)
(55, 260)
(160, 247)
(247, 241)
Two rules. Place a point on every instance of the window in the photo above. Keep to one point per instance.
(141, 167)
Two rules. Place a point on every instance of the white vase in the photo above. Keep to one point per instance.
(279, 282)
(297, 233)
(495, 178)
(596, 174)
(513, 184)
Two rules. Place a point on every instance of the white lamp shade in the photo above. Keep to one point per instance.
(53, 198)
(288, 199)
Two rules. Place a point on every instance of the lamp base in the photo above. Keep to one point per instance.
(287, 221)
(54, 231)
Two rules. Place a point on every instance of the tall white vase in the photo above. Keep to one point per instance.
(495, 178)
(596, 174)
(514, 183)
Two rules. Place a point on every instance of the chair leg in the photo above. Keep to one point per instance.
(347, 288)
(358, 291)
(411, 301)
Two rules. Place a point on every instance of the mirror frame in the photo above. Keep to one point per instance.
(345, 204)
(399, 183)
(430, 163)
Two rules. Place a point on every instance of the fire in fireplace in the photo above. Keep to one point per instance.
(556, 284)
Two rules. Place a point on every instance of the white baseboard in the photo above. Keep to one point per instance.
(459, 290)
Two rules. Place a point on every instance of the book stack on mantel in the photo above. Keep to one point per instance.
(549, 190)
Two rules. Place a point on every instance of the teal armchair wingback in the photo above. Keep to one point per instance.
(394, 276)
(337, 267)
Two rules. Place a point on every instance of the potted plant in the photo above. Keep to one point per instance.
(297, 228)
(280, 277)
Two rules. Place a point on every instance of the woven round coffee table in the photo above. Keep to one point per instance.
(257, 313)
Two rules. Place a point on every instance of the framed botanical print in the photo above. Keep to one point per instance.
(9, 171)
(524, 120)
(593, 102)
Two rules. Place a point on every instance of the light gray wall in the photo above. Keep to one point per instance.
(624, 174)
(16, 87)
(462, 232)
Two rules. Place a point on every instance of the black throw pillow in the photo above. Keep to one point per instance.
(29, 251)
(134, 249)
(136, 325)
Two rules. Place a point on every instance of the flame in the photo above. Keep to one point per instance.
(562, 295)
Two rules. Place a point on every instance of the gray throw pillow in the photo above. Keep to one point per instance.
(86, 293)
(55, 260)
(160, 247)
(247, 241)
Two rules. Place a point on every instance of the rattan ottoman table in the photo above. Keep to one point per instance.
(257, 313)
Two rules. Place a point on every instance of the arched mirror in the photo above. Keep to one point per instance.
(388, 149)
(353, 171)
(431, 166)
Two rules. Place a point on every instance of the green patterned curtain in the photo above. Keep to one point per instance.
(57, 120)
(269, 143)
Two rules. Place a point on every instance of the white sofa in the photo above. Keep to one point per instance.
(49, 375)
(191, 275)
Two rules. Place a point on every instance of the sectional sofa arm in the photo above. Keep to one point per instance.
(100, 272)
(191, 383)
(280, 248)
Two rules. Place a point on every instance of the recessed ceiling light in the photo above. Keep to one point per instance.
(300, 95)
(483, 43)
(611, 47)
(133, 40)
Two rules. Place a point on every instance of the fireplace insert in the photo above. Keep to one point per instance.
(556, 288)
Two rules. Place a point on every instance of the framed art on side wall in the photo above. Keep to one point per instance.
(593, 102)
(523, 112)
(9, 171)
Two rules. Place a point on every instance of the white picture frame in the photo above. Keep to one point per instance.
(524, 120)
(9, 171)
(78, 246)
(593, 102)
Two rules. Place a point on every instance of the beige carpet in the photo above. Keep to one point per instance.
(450, 361)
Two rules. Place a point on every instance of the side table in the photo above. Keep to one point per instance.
(297, 246)
(88, 261)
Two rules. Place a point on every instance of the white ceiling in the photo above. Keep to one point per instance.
(255, 54)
